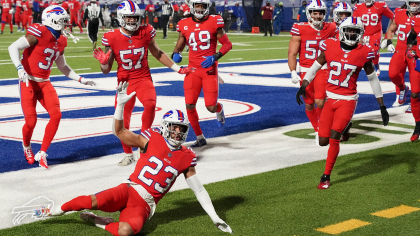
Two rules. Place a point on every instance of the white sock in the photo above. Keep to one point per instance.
(200, 137)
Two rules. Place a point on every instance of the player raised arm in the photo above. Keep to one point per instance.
(387, 42)
(204, 199)
(226, 47)
(377, 90)
(294, 46)
(105, 58)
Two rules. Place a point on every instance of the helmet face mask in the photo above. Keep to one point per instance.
(126, 11)
(175, 127)
(55, 17)
(351, 31)
(200, 8)
(316, 12)
(413, 6)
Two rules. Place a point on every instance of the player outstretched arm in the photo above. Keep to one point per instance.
(105, 58)
(294, 46)
(21, 44)
(180, 45)
(377, 90)
(165, 60)
(309, 76)
(226, 47)
(125, 135)
(387, 42)
(204, 199)
(69, 72)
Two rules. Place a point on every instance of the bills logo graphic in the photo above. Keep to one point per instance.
(55, 10)
(37, 209)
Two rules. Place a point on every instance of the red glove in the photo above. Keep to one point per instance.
(186, 70)
(101, 56)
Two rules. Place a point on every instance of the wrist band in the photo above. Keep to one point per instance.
(19, 67)
(175, 67)
(104, 66)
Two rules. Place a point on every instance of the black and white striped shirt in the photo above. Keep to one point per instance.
(167, 9)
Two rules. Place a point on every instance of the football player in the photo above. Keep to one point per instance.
(202, 31)
(341, 12)
(74, 7)
(43, 45)
(371, 13)
(128, 45)
(18, 14)
(6, 16)
(27, 14)
(399, 61)
(345, 59)
(163, 159)
(412, 57)
(305, 41)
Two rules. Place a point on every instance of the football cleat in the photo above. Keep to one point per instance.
(346, 133)
(127, 160)
(94, 219)
(325, 182)
(220, 118)
(199, 143)
(29, 155)
(94, 45)
(41, 157)
(416, 132)
(56, 211)
(408, 109)
(403, 95)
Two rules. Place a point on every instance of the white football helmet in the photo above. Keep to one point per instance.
(316, 5)
(128, 8)
(351, 30)
(200, 13)
(369, 2)
(342, 7)
(55, 17)
(174, 117)
(412, 10)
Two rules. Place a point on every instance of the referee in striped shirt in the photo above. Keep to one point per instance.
(167, 15)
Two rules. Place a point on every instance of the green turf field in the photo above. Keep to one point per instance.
(286, 201)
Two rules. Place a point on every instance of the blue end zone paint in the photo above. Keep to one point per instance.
(278, 108)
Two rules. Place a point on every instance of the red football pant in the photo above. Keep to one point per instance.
(45, 93)
(397, 68)
(375, 43)
(26, 20)
(336, 115)
(134, 210)
(6, 18)
(75, 19)
(146, 93)
(18, 18)
(415, 88)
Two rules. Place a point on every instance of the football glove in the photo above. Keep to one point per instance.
(385, 43)
(122, 96)
(210, 60)
(220, 224)
(391, 48)
(186, 70)
(411, 53)
(295, 77)
(385, 115)
(301, 92)
(23, 76)
(87, 82)
(177, 57)
(101, 56)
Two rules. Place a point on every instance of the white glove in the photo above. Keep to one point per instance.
(122, 96)
(87, 82)
(391, 48)
(12, 11)
(23, 76)
(223, 226)
(384, 44)
(295, 77)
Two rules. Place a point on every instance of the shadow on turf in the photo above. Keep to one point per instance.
(190, 208)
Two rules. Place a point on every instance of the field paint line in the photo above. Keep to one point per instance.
(343, 226)
(235, 59)
(395, 211)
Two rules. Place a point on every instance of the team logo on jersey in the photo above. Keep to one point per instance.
(185, 27)
(169, 154)
(55, 10)
(345, 55)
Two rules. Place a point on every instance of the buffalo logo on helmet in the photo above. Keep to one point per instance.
(55, 10)
(180, 115)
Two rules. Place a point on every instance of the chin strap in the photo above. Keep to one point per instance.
(66, 33)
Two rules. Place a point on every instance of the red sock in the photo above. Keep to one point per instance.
(333, 151)
(318, 112)
(415, 108)
(113, 228)
(219, 107)
(193, 118)
(2, 26)
(78, 204)
(312, 116)
(51, 129)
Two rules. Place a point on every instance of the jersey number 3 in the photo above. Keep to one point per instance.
(154, 172)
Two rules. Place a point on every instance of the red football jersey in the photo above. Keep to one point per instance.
(372, 16)
(311, 39)
(404, 27)
(201, 38)
(415, 23)
(7, 5)
(38, 59)
(184, 7)
(46, 4)
(74, 6)
(18, 6)
(54, 3)
(158, 168)
(130, 52)
(344, 67)
(27, 11)
(65, 5)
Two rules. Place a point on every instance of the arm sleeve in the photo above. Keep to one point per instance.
(374, 83)
(388, 13)
(310, 75)
(65, 69)
(14, 49)
(226, 44)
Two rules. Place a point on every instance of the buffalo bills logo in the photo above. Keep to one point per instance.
(167, 114)
(121, 6)
(55, 10)
(180, 115)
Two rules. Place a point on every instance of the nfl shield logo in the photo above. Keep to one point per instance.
(130, 41)
(169, 154)
(345, 55)
(318, 34)
(196, 25)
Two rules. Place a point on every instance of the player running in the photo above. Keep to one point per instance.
(6, 14)
(306, 40)
(202, 31)
(128, 45)
(74, 7)
(43, 45)
(345, 59)
(18, 15)
(371, 13)
(163, 159)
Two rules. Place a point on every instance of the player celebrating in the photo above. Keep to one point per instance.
(305, 41)
(163, 158)
(74, 7)
(345, 59)
(202, 31)
(128, 45)
(412, 57)
(371, 13)
(6, 14)
(43, 45)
